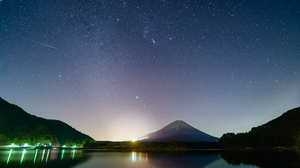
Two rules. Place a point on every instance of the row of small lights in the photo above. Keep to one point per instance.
(38, 144)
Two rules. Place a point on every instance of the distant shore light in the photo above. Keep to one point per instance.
(133, 140)
(12, 145)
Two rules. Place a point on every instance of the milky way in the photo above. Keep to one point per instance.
(118, 70)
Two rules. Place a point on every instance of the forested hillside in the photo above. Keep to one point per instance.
(19, 127)
(283, 131)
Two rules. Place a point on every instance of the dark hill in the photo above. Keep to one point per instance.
(282, 131)
(19, 127)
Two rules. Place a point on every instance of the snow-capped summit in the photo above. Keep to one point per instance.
(177, 125)
(179, 131)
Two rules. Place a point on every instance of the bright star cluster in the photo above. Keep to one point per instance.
(117, 70)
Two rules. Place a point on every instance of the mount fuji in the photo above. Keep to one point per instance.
(179, 131)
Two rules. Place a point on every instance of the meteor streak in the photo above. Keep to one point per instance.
(48, 45)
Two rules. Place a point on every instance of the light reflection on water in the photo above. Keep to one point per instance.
(40, 157)
(23, 154)
(44, 158)
(36, 151)
(73, 156)
(139, 157)
(9, 156)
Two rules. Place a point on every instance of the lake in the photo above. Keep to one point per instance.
(146, 159)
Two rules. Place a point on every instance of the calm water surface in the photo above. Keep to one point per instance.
(137, 159)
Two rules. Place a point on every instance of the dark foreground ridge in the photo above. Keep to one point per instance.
(19, 127)
(280, 133)
(152, 145)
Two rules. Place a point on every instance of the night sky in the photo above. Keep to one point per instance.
(117, 70)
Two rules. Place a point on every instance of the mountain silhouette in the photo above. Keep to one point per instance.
(282, 131)
(19, 127)
(179, 131)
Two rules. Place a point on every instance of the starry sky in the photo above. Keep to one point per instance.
(117, 70)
